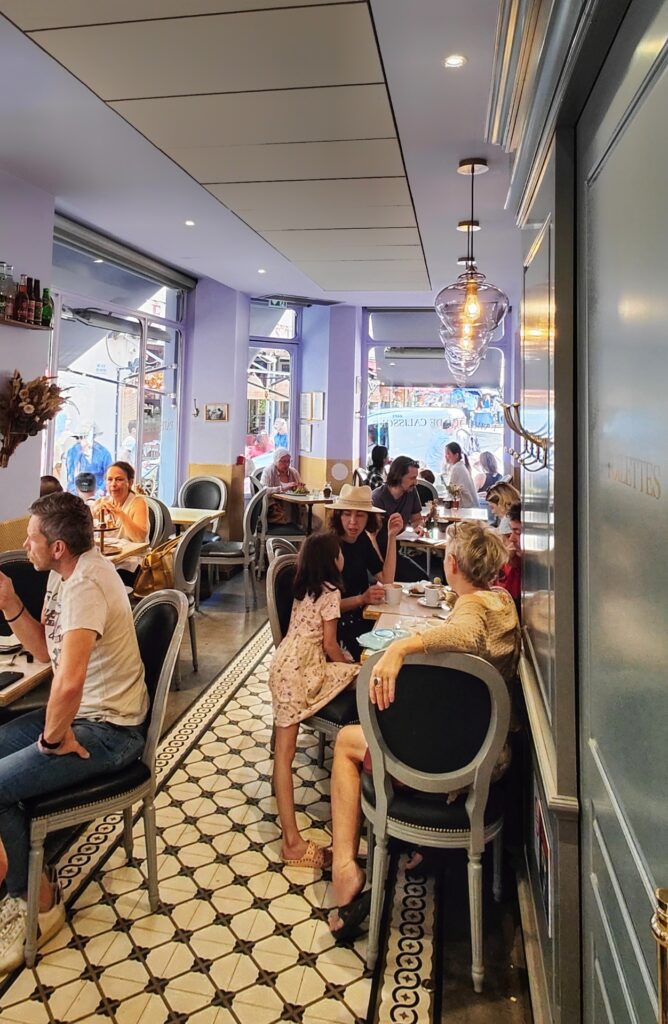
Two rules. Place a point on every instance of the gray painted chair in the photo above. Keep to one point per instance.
(186, 573)
(444, 732)
(426, 491)
(155, 521)
(360, 476)
(279, 546)
(341, 710)
(255, 480)
(168, 528)
(240, 552)
(159, 622)
(283, 531)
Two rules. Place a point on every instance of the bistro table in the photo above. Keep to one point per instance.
(34, 673)
(411, 622)
(310, 499)
(122, 549)
(408, 606)
(189, 516)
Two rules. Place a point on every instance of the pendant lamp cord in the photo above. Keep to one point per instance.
(470, 254)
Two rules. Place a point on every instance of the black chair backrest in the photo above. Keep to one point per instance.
(425, 493)
(192, 552)
(284, 583)
(255, 506)
(29, 584)
(202, 494)
(154, 629)
(151, 522)
(438, 720)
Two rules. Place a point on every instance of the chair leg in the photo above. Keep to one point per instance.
(497, 853)
(151, 853)
(197, 588)
(35, 864)
(321, 749)
(369, 850)
(247, 575)
(272, 741)
(193, 640)
(251, 573)
(475, 912)
(127, 832)
(380, 859)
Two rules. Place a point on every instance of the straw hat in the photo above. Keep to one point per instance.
(355, 499)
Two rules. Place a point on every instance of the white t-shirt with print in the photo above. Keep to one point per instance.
(94, 597)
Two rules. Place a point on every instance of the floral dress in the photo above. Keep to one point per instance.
(300, 679)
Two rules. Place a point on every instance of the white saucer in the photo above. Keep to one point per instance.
(9, 644)
(424, 604)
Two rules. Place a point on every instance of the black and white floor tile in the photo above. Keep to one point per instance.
(240, 939)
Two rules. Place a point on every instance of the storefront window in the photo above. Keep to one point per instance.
(268, 403)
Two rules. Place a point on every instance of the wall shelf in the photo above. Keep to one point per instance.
(25, 327)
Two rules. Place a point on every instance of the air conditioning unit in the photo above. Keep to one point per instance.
(424, 352)
(288, 301)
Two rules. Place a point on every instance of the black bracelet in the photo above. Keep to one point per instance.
(23, 608)
(49, 746)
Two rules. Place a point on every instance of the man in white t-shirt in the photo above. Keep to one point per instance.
(94, 718)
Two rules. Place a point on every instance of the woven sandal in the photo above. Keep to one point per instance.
(318, 857)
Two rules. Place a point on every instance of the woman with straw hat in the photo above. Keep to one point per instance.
(355, 521)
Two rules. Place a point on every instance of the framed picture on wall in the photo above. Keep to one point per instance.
(305, 405)
(305, 437)
(318, 405)
(218, 412)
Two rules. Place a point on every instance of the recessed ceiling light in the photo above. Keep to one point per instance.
(98, 261)
(454, 60)
(261, 270)
(190, 223)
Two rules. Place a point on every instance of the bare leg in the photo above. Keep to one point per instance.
(293, 846)
(347, 876)
(46, 896)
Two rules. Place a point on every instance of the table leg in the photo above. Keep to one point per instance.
(309, 519)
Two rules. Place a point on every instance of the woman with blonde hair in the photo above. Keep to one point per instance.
(501, 498)
(483, 622)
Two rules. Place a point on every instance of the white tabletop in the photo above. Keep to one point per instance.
(33, 674)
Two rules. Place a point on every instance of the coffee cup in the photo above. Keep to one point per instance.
(432, 595)
(393, 593)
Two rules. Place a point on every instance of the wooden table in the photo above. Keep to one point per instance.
(411, 622)
(310, 499)
(408, 606)
(128, 549)
(189, 516)
(33, 674)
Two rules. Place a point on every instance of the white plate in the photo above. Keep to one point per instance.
(424, 604)
(407, 590)
(9, 644)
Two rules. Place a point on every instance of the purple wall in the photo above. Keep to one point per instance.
(26, 237)
(315, 368)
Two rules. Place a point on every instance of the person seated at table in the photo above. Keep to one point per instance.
(426, 474)
(510, 576)
(278, 478)
(307, 671)
(483, 622)
(501, 498)
(377, 467)
(85, 486)
(489, 472)
(355, 521)
(98, 702)
(398, 494)
(49, 485)
(130, 512)
(458, 476)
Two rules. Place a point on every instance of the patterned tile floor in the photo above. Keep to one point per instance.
(240, 939)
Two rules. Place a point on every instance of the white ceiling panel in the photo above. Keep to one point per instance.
(39, 14)
(354, 194)
(328, 217)
(275, 49)
(318, 245)
(361, 275)
(293, 161)
(302, 115)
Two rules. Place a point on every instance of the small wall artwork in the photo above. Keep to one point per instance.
(218, 413)
(318, 405)
(305, 405)
(305, 437)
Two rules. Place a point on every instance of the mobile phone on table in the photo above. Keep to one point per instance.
(7, 678)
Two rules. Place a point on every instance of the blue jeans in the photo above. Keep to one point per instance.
(26, 772)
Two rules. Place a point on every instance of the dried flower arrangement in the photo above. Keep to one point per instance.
(454, 490)
(25, 409)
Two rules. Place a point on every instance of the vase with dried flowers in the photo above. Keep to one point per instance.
(25, 408)
(455, 493)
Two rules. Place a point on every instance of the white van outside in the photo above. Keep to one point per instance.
(417, 432)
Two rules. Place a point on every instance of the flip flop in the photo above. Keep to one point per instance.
(318, 857)
(352, 915)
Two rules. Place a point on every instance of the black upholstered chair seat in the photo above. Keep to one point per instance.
(105, 787)
(224, 548)
(284, 530)
(341, 710)
(432, 810)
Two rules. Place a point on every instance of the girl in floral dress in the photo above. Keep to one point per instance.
(308, 670)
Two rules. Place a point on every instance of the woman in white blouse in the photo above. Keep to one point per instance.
(460, 475)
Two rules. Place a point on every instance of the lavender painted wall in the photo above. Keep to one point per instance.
(216, 362)
(26, 236)
(315, 369)
(344, 350)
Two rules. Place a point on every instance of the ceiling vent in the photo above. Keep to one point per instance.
(291, 301)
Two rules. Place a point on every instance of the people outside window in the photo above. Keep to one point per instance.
(354, 520)
(128, 452)
(501, 498)
(307, 671)
(87, 456)
(398, 494)
(458, 477)
(261, 444)
(483, 622)
(377, 466)
(281, 439)
(489, 472)
(129, 511)
(98, 702)
(434, 454)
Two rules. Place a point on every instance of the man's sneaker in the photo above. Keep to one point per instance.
(13, 935)
(9, 909)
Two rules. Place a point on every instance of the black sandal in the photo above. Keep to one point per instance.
(352, 915)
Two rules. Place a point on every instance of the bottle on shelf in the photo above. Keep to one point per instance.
(21, 301)
(37, 301)
(10, 298)
(30, 314)
(6, 288)
(47, 308)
